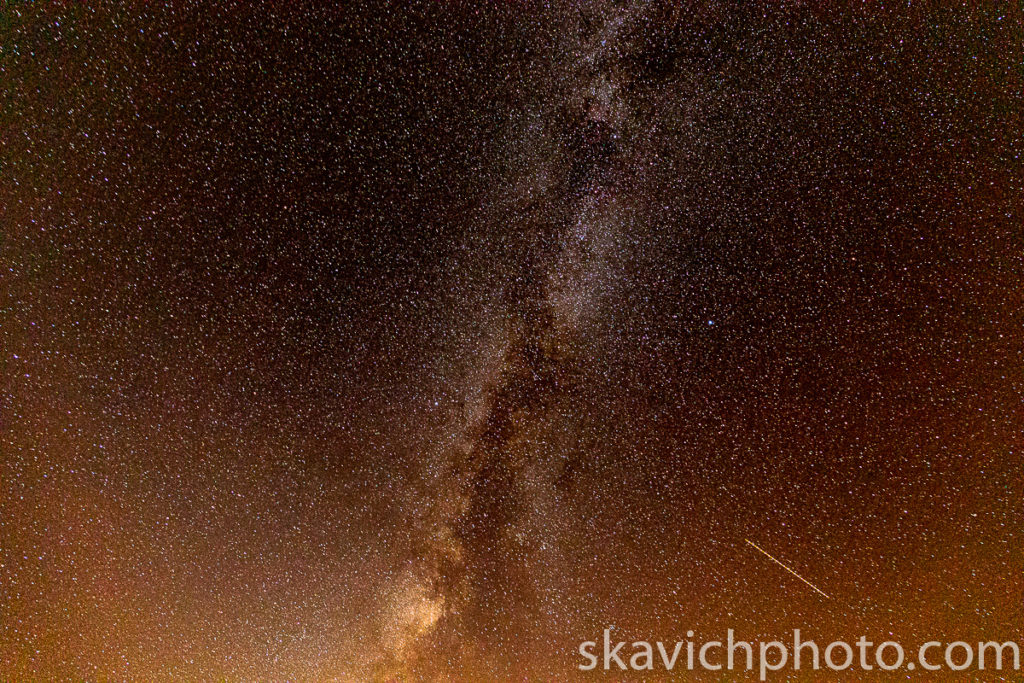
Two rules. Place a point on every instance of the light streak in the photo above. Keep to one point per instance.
(781, 564)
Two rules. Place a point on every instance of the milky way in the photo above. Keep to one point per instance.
(424, 342)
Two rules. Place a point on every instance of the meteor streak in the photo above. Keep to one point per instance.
(781, 564)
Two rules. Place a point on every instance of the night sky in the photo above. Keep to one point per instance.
(425, 341)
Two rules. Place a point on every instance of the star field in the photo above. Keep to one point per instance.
(421, 342)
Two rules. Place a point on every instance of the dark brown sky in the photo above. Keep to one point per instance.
(429, 340)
